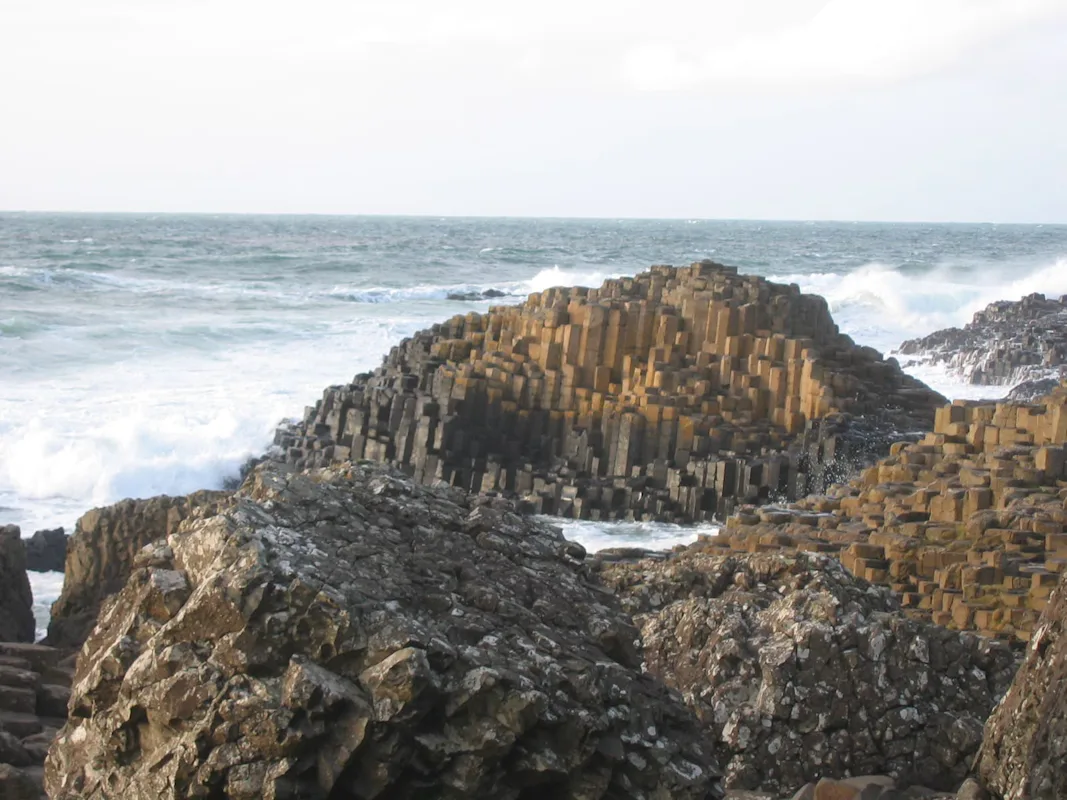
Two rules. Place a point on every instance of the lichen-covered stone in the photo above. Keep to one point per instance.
(1024, 752)
(346, 633)
(671, 395)
(100, 556)
(800, 671)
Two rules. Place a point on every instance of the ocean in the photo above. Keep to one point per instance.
(151, 354)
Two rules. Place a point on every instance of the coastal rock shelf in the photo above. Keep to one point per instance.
(968, 526)
(668, 396)
(798, 670)
(1004, 344)
(347, 633)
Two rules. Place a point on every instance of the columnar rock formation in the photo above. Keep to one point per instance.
(34, 690)
(348, 634)
(16, 599)
(1024, 752)
(1005, 344)
(968, 526)
(665, 396)
(799, 671)
(100, 556)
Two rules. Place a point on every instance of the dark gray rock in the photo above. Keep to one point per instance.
(46, 551)
(347, 634)
(16, 599)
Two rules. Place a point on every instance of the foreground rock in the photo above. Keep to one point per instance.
(34, 689)
(800, 672)
(1024, 753)
(347, 634)
(100, 556)
(46, 551)
(16, 599)
(1005, 344)
(669, 396)
(968, 526)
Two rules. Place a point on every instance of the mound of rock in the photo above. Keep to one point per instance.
(16, 599)
(968, 526)
(46, 551)
(800, 671)
(667, 396)
(100, 556)
(34, 690)
(345, 633)
(1024, 753)
(1005, 344)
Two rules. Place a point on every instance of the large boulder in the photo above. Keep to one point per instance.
(345, 633)
(100, 556)
(1024, 752)
(46, 551)
(800, 671)
(16, 598)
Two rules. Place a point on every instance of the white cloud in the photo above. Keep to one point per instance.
(846, 42)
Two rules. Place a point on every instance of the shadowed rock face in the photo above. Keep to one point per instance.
(800, 671)
(670, 396)
(1024, 753)
(16, 599)
(100, 556)
(347, 634)
(46, 551)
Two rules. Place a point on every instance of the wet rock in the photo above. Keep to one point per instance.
(346, 633)
(488, 294)
(46, 551)
(16, 599)
(100, 556)
(1024, 752)
(1004, 344)
(673, 395)
(799, 671)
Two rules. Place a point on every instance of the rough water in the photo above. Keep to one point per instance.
(142, 355)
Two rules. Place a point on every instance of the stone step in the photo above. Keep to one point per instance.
(20, 725)
(52, 700)
(19, 678)
(18, 699)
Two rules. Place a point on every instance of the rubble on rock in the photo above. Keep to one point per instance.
(1024, 752)
(800, 671)
(968, 526)
(16, 599)
(34, 689)
(100, 556)
(346, 633)
(1005, 344)
(669, 396)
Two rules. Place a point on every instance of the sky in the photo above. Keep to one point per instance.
(933, 110)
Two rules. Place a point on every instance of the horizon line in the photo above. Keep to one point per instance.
(797, 220)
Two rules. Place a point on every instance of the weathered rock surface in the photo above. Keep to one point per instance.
(46, 551)
(800, 671)
(669, 396)
(968, 526)
(347, 634)
(1024, 752)
(16, 599)
(34, 688)
(100, 557)
(1005, 344)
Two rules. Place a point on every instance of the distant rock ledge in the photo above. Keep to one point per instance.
(672, 395)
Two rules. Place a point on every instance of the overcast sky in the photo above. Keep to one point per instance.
(762, 109)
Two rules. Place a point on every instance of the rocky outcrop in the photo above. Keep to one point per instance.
(800, 671)
(346, 633)
(1024, 753)
(16, 599)
(46, 551)
(969, 526)
(669, 396)
(100, 556)
(34, 689)
(1005, 344)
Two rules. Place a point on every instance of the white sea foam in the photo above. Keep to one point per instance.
(595, 536)
(554, 276)
(46, 587)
